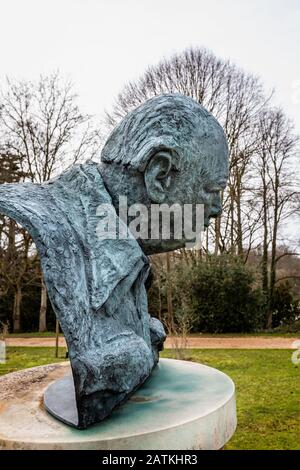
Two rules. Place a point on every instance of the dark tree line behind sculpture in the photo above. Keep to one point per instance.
(18, 269)
(42, 131)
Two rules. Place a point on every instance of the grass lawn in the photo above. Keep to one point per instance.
(268, 395)
(23, 357)
(268, 390)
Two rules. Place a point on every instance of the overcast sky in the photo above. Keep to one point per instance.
(101, 44)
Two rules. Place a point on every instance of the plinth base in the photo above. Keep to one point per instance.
(182, 406)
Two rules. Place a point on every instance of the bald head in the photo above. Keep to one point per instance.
(170, 150)
(172, 122)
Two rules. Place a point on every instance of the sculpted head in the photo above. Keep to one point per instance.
(168, 150)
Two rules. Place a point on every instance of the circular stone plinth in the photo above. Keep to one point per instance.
(182, 406)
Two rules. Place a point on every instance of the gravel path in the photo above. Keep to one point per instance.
(249, 342)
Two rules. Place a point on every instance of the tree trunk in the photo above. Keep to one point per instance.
(56, 337)
(43, 308)
(217, 234)
(265, 254)
(240, 250)
(158, 280)
(169, 297)
(264, 264)
(206, 242)
(232, 243)
(273, 256)
(17, 310)
(11, 248)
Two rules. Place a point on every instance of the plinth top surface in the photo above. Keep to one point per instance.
(177, 394)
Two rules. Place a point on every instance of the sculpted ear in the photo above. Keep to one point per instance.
(158, 176)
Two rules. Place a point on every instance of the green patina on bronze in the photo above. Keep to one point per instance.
(168, 150)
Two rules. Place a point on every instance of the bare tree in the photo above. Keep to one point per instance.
(278, 190)
(14, 242)
(261, 192)
(41, 123)
(236, 99)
